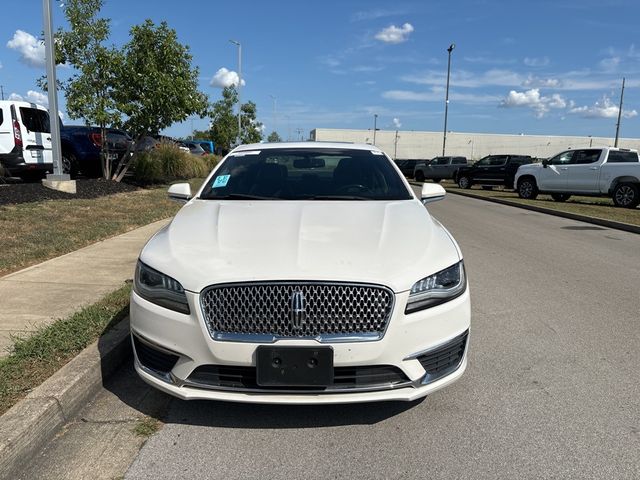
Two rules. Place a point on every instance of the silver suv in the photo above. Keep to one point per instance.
(440, 168)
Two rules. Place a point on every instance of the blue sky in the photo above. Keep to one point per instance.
(550, 67)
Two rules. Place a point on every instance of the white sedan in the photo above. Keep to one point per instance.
(301, 273)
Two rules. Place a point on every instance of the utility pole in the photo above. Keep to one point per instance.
(395, 146)
(375, 121)
(446, 102)
(239, 45)
(619, 114)
(275, 125)
(2, 91)
(300, 131)
(50, 60)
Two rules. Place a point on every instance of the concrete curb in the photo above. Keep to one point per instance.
(573, 216)
(27, 427)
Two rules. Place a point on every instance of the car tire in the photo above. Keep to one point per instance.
(464, 182)
(419, 176)
(626, 195)
(69, 164)
(560, 197)
(487, 187)
(527, 189)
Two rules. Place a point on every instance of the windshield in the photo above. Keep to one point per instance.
(311, 174)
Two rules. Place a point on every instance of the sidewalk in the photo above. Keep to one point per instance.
(40, 294)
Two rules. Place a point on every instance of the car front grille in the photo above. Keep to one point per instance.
(345, 379)
(444, 359)
(263, 312)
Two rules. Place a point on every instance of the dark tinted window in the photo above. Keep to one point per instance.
(306, 173)
(440, 161)
(35, 120)
(586, 156)
(562, 158)
(520, 160)
(459, 161)
(618, 157)
(1, 116)
(498, 160)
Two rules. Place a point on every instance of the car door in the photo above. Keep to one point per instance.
(583, 172)
(437, 167)
(493, 172)
(6, 131)
(456, 163)
(553, 177)
(36, 134)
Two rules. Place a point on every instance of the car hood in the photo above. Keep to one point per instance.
(393, 243)
(529, 166)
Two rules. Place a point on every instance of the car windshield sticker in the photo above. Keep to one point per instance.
(242, 154)
(221, 181)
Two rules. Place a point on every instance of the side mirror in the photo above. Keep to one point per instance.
(180, 192)
(545, 163)
(432, 192)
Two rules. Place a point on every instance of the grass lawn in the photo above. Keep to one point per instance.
(33, 232)
(599, 207)
(36, 357)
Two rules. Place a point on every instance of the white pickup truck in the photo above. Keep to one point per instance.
(603, 171)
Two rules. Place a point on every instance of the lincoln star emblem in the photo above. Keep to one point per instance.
(298, 312)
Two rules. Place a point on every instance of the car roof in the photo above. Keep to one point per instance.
(308, 145)
(22, 103)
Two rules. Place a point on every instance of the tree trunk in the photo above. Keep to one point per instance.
(126, 161)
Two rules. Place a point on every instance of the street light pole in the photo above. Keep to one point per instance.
(446, 102)
(52, 88)
(275, 128)
(239, 45)
(619, 114)
(375, 122)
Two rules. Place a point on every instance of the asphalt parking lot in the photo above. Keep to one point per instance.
(551, 390)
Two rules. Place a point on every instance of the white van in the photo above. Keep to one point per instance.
(25, 139)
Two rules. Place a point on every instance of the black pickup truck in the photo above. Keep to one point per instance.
(492, 170)
(81, 147)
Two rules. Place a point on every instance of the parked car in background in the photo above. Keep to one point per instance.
(358, 294)
(82, 149)
(407, 167)
(207, 145)
(25, 139)
(194, 148)
(492, 170)
(149, 142)
(439, 168)
(605, 171)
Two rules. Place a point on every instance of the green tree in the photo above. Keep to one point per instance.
(224, 124)
(251, 128)
(274, 137)
(89, 91)
(156, 85)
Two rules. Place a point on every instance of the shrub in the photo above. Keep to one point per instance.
(167, 162)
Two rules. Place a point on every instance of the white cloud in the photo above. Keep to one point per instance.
(396, 123)
(32, 96)
(604, 108)
(375, 14)
(467, 79)
(31, 49)
(537, 82)
(225, 78)
(534, 100)
(437, 95)
(393, 34)
(610, 64)
(536, 62)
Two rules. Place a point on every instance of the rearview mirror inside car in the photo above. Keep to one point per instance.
(306, 163)
(180, 192)
(432, 192)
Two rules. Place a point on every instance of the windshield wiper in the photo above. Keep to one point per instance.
(240, 196)
(335, 197)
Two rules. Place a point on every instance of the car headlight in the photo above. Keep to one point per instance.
(160, 289)
(438, 288)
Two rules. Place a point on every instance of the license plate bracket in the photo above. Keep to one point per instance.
(294, 366)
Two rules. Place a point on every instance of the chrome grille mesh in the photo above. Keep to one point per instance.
(330, 309)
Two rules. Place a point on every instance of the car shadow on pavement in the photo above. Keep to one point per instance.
(131, 390)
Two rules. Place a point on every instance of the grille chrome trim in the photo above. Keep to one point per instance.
(381, 321)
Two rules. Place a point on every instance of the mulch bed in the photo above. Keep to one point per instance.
(35, 192)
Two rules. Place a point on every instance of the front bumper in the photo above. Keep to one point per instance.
(186, 339)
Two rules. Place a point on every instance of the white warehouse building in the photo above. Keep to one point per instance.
(403, 144)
